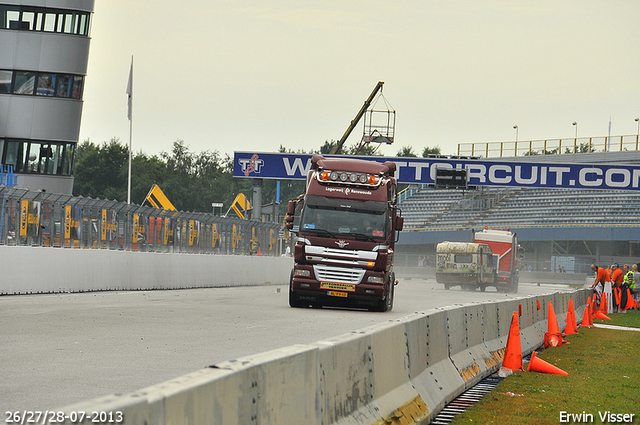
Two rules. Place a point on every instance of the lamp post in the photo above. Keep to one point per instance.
(576, 124)
(638, 133)
(516, 128)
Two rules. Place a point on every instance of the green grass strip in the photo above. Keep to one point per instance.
(603, 382)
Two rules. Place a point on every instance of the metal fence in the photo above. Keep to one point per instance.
(30, 218)
(551, 146)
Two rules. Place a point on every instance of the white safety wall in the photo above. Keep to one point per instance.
(27, 270)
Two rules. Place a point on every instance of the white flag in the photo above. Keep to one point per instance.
(130, 90)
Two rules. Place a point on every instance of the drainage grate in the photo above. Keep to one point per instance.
(467, 399)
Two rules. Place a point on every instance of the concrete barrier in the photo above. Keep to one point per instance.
(401, 371)
(553, 278)
(51, 270)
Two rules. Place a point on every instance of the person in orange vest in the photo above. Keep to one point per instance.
(616, 282)
(616, 275)
(609, 270)
(601, 278)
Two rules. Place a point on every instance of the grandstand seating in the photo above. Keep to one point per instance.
(439, 209)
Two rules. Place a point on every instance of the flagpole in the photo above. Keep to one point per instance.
(130, 92)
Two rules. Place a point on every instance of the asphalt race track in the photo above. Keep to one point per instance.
(61, 349)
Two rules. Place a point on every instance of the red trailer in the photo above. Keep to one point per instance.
(504, 246)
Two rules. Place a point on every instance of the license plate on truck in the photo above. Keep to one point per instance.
(337, 294)
(338, 286)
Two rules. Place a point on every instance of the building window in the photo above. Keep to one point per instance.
(64, 85)
(25, 82)
(38, 157)
(5, 81)
(41, 84)
(29, 18)
(76, 88)
(46, 84)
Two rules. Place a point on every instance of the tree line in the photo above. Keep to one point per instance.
(192, 181)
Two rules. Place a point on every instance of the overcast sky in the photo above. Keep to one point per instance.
(226, 75)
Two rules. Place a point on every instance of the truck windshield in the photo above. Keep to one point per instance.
(336, 221)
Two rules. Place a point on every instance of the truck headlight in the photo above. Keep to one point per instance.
(375, 279)
(302, 273)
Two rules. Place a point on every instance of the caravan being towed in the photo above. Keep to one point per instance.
(467, 264)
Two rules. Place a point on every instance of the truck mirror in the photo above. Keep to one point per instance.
(291, 208)
(399, 222)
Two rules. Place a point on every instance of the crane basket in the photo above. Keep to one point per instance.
(379, 122)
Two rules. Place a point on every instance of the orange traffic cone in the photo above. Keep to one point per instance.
(618, 296)
(603, 304)
(594, 304)
(553, 337)
(539, 365)
(630, 302)
(600, 315)
(259, 252)
(572, 326)
(513, 352)
(585, 318)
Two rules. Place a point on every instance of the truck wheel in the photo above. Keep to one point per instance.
(483, 288)
(387, 303)
(447, 286)
(293, 297)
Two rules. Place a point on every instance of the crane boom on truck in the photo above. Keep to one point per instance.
(348, 219)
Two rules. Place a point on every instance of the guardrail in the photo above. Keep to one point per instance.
(31, 218)
(403, 371)
(550, 146)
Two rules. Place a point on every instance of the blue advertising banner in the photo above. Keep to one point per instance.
(481, 172)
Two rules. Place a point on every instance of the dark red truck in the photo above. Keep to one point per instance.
(346, 235)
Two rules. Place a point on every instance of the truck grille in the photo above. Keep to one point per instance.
(338, 274)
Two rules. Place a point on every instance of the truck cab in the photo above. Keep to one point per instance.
(504, 245)
(348, 222)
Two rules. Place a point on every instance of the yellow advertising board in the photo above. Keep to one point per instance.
(67, 221)
(24, 213)
(240, 205)
(103, 226)
(158, 199)
(215, 235)
(136, 225)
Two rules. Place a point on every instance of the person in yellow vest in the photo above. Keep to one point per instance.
(629, 281)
